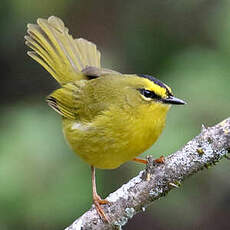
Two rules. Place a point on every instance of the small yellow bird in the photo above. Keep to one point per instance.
(108, 118)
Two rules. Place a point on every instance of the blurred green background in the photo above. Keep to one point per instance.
(43, 185)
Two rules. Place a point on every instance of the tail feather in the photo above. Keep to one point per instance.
(44, 50)
(62, 41)
(90, 54)
(56, 50)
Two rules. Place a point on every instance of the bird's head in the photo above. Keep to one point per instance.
(151, 93)
(156, 91)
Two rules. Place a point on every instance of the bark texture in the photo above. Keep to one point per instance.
(205, 150)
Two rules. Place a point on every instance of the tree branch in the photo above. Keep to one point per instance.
(156, 181)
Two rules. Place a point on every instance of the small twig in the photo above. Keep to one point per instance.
(211, 145)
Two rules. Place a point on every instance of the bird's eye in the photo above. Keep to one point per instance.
(149, 94)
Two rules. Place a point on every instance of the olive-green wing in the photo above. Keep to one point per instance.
(72, 102)
(58, 52)
(66, 100)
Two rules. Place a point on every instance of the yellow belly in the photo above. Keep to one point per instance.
(116, 136)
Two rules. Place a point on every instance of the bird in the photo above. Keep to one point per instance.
(108, 118)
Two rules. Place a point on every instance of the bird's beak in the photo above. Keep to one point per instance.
(174, 101)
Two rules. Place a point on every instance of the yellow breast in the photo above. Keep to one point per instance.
(117, 135)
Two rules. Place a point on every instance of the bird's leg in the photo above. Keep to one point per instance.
(97, 199)
(159, 160)
(140, 160)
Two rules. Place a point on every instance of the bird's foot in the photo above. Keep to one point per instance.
(150, 165)
(98, 202)
(98, 199)
(160, 160)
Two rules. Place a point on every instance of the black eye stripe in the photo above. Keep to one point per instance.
(149, 94)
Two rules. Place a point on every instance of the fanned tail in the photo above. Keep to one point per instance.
(56, 50)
